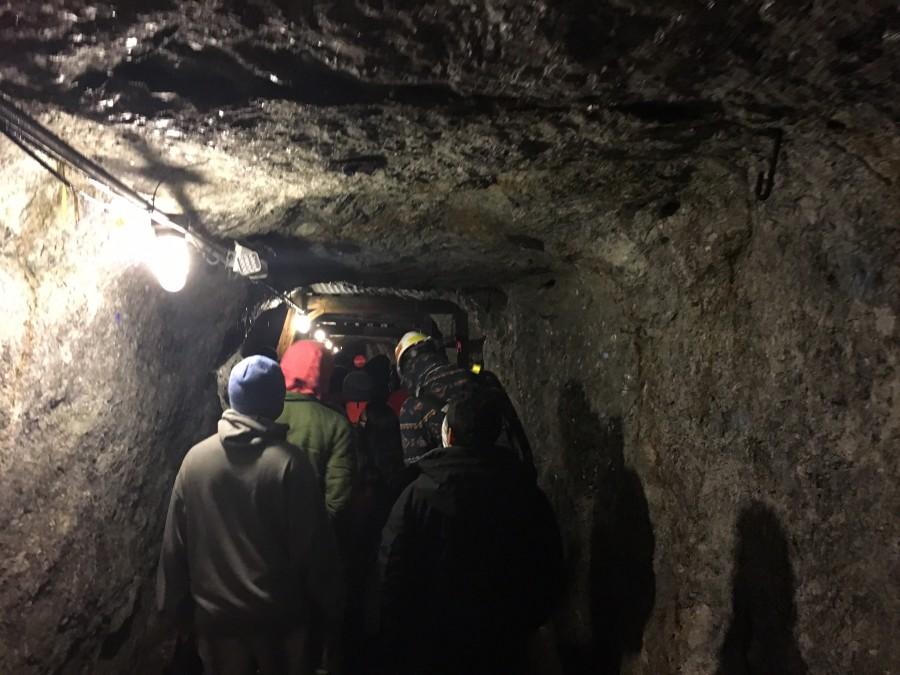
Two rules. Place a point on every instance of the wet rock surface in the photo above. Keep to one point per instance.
(454, 132)
(729, 392)
(704, 349)
(779, 57)
(109, 379)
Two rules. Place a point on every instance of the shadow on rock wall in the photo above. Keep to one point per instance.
(760, 639)
(622, 581)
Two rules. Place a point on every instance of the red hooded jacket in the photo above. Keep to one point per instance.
(307, 368)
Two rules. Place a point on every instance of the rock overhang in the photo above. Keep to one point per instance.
(444, 144)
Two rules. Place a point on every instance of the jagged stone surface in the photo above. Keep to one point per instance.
(472, 137)
(717, 408)
(108, 380)
(767, 55)
(710, 378)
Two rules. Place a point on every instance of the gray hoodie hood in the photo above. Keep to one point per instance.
(237, 431)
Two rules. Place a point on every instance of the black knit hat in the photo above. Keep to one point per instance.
(358, 386)
(379, 369)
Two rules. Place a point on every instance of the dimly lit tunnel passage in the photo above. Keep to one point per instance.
(670, 229)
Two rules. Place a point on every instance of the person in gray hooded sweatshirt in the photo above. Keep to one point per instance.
(248, 548)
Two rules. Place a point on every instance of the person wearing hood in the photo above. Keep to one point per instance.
(470, 564)
(248, 550)
(432, 383)
(318, 429)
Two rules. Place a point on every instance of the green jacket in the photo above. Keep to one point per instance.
(327, 438)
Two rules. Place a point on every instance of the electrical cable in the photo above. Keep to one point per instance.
(281, 294)
(55, 146)
(37, 158)
(28, 134)
(16, 122)
(153, 199)
(22, 129)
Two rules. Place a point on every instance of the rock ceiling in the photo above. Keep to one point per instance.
(449, 143)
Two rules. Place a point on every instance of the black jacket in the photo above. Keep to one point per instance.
(470, 562)
(247, 538)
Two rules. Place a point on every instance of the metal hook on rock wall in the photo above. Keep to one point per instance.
(766, 181)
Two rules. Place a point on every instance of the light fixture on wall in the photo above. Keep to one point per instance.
(302, 323)
(168, 253)
(170, 260)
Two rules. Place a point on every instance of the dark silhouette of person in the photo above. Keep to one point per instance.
(622, 580)
(470, 564)
(760, 638)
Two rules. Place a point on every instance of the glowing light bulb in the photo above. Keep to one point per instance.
(169, 259)
(336, 349)
(328, 344)
(320, 335)
(302, 323)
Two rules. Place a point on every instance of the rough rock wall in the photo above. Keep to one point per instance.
(107, 380)
(736, 431)
(713, 397)
(755, 55)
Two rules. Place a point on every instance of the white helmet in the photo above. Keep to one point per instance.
(408, 340)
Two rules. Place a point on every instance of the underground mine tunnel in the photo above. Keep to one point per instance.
(669, 228)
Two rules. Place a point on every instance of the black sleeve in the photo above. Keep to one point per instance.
(548, 566)
(512, 426)
(516, 432)
(394, 566)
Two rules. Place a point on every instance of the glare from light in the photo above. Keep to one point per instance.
(131, 234)
(328, 344)
(320, 335)
(336, 349)
(169, 259)
(302, 323)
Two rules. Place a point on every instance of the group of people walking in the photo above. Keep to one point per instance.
(305, 537)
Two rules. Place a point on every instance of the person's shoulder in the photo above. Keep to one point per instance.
(294, 456)
(489, 377)
(281, 457)
(307, 407)
(332, 415)
(417, 488)
(293, 408)
(201, 451)
(445, 373)
(282, 447)
(413, 405)
(201, 460)
(510, 467)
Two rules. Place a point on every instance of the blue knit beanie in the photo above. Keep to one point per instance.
(256, 387)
